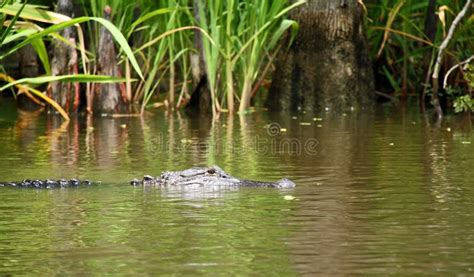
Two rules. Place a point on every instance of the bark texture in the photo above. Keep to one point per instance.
(65, 62)
(108, 98)
(201, 97)
(327, 66)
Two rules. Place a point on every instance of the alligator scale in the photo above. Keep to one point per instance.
(194, 177)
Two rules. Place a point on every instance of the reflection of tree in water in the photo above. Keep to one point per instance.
(26, 128)
(63, 140)
(109, 139)
(326, 229)
(59, 149)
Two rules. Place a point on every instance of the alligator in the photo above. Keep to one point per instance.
(206, 177)
(193, 177)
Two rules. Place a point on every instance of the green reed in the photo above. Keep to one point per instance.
(22, 29)
(241, 34)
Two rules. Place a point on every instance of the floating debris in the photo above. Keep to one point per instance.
(289, 197)
(317, 119)
(305, 123)
(391, 144)
(158, 105)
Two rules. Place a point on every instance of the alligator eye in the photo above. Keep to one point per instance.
(211, 171)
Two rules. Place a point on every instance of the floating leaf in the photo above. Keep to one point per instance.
(289, 197)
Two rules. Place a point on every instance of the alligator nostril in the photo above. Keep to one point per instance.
(211, 171)
(135, 182)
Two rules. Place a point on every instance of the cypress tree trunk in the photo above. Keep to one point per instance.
(431, 22)
(327, 66)
(108, 98)
(64, 61)
(28, 66)
(201, 97)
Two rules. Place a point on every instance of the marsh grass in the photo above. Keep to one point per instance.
(242, 33)
(237, 35)
(155, 42)
(22, 30)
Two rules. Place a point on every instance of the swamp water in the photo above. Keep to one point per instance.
(376, 194)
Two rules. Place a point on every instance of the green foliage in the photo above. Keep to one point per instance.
(152, 27)
(242, 34)
(237, 36)
(400, 46)
(15, 32)
(464, 103)
(470, 75)
(64, 78)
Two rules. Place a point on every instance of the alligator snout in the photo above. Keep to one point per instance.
(285, 183)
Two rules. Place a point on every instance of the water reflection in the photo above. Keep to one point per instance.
(375, 194)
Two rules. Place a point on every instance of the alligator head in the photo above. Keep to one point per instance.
(206, 176)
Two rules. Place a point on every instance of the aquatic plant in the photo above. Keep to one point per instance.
(18, 34)
(242, 34)
(157, 32)
(236, 38)
(405, 36)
